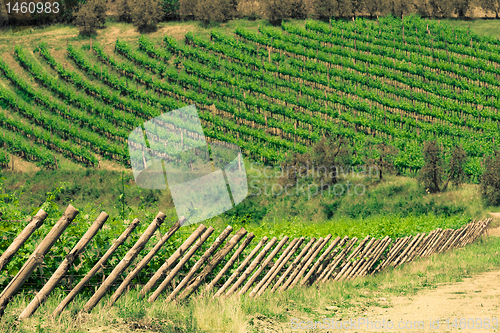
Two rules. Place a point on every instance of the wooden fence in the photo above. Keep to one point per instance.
(271, 264)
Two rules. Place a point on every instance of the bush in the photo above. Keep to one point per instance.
(432, 172)
(278, 10)
(124, 11)
(90, 17)
(146, 14)
(214, 10)
(4, 19)
(170, 9)
(490, 180)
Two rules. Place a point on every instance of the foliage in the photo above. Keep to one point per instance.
(278, 10)
(170, 9)
(91, 16)
(490, 180)
(432, 172)
(146, 14)
(124, 10)
(208, 11)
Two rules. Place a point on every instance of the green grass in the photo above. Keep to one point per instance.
(482, 27)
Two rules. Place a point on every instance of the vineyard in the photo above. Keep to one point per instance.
(271, 91)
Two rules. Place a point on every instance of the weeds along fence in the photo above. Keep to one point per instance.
(228, 264)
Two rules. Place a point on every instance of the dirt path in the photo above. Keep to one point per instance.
(475, 297)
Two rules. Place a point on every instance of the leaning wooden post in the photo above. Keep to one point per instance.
(310, 261)
(37, 257)
(173, 258)
(125, 262)
(145, 261)
(328, 260)
(263, 265)
(333, 265)
(34, 224)
(231, 261)
(277, 265)
(200, 262)
(291, 250)
(207, 233)
(294, 264)
(64, 267)
(119, 241)
(252, 266)
(241, 267)
(320, 261)
(213, 263)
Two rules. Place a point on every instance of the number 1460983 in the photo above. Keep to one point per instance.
(32, 7)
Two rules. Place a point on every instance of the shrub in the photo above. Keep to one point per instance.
(214, 10)
(90, 17)
(490, 180)
(124, 11)
(146, 14)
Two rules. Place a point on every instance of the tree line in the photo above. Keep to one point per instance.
(438, 173)
(145, 14)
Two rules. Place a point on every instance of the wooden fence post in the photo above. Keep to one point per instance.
(331, 267)
(320, 260)
(145, 261)
(263, 265)
(294, 264)
(241, 267)
(200, 262)
(321, 270)
(119, 241)
(180, 264)
(125, 262)
(375, 257)
(34, 224)
(252, 266)
(37, 257)
(213, 263)
(231, 261)
(310, 261)
(173, 258)
(64, 267)
(292, 248)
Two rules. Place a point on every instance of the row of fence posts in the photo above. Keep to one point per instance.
(341, 260)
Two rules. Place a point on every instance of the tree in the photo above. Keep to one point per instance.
(187, 8)
(456, 171)
(441, 8)
(214, 10)
(399, 8)
(491, 5)
(385, 160)
(324, 161)
(376, 7)
(298, 9)
(490, 179)
(146, 14)
(91, 16)
(324, 9)
(4, 18)
(345, 8)
(432, 172)
(278, 10)
(170, 9)
(124, 11)
(462, 7)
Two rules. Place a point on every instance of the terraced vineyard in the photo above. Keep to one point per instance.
(274, 91)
